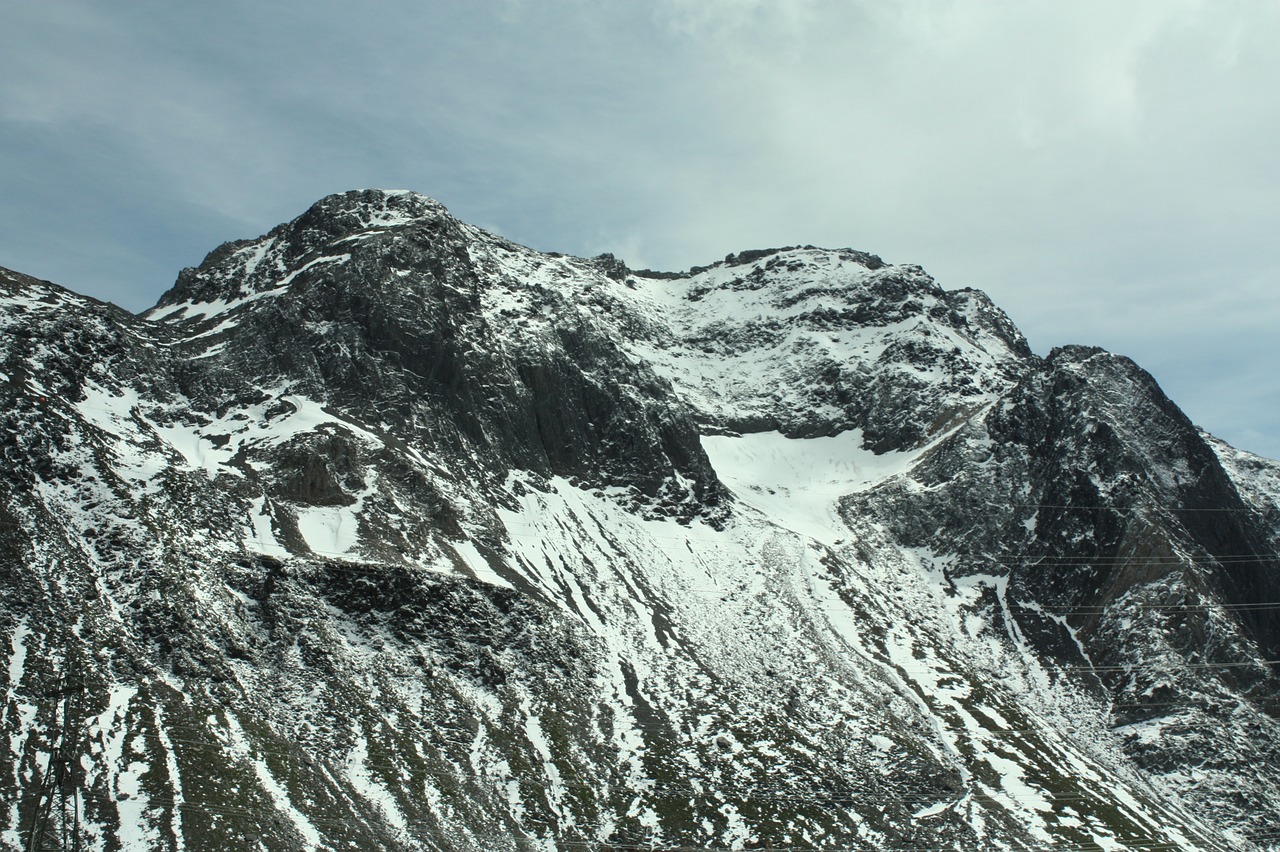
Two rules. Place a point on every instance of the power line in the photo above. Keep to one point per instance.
(1097, 508)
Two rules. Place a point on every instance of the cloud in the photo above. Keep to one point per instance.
(1106, 171)
(779, 19)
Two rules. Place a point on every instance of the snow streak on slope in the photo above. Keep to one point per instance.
(874, 644)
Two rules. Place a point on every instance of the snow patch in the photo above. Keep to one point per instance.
(329, 530)
(477, 564)
(262, 537)
(797, 482)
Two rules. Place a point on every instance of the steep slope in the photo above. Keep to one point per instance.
(381, 531)
(1114, 541)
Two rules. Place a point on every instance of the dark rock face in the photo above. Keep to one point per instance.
(381, 531)
(392, 314)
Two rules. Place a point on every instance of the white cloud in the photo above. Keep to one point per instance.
(1108, 172)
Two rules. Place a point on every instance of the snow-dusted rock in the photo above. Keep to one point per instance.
(381, 531)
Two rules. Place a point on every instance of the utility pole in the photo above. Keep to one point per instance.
(62, 776)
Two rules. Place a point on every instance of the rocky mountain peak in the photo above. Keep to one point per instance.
(382, 531)
(346, 213)
(330, 229)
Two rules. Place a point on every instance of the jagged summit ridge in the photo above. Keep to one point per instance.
(241, 268)
(802, 339)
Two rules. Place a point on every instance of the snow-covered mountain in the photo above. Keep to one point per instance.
(383, 532)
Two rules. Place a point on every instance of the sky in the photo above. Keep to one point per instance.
(1109, 173)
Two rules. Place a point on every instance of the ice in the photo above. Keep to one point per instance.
(111, 411)
(133, 807)
(211, 446)
(197, 450)
(226, 325)
(332, 258)
(191, 311)
(933, 810)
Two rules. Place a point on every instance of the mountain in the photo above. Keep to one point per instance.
(381, 531)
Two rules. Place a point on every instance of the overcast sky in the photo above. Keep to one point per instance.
(1108, 172)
